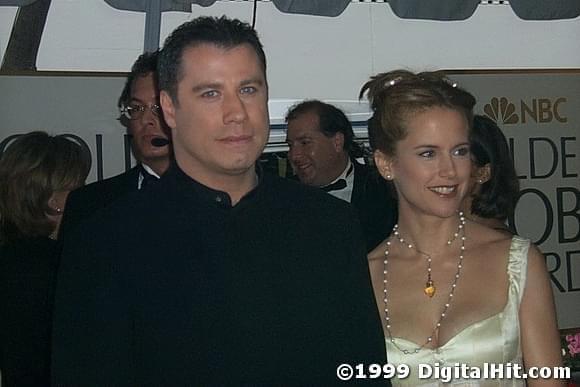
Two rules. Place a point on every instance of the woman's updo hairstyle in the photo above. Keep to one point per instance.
(395, 95)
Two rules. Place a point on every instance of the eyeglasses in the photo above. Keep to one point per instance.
(135, 111)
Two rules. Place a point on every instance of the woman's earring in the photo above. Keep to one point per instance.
(389, 177)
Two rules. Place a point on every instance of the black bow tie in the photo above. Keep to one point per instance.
(336, 186)
(148, 179)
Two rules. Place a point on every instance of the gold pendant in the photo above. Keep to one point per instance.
(429, 289)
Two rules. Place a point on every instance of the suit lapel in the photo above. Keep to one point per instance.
(358, 189)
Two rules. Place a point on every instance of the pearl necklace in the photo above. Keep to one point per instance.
(430, 288)
(461, 230)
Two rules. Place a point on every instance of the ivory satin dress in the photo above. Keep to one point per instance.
(495, 339)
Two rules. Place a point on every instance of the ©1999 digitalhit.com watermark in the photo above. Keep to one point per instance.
(447, 373)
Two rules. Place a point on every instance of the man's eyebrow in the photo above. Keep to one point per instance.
(217, 85)
(135, 99)
(257, 80)
(205, 86)
(303, 137)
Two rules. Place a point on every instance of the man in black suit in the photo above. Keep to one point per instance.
(323, 154)
(141, 115)
(219, 274)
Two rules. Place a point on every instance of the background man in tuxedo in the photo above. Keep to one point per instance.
(323, 154)
(215, 275)
(141, 115)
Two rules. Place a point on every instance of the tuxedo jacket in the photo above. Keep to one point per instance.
(374, 200)
(85, 201)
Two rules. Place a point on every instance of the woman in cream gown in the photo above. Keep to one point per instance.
(452, 293)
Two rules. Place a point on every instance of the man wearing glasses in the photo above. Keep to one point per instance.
(141, 115)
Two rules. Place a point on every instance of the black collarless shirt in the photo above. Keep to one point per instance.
(175, 286)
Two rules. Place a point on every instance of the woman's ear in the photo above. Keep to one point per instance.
(483, 174)
(384, 164)
(57, 201)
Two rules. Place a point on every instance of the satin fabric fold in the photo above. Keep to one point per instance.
(495, 339)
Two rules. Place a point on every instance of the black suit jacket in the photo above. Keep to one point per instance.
(172, 286)
(85, 201)
(27, 274)
(373, 198)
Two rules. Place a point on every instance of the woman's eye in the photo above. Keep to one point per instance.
(463, 151)
(427, 154)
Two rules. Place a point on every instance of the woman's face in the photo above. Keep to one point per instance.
(431, 168)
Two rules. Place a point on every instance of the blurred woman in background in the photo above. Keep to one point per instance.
(37, 171)
(494, 185)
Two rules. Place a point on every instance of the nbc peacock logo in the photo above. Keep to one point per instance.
(501, 109)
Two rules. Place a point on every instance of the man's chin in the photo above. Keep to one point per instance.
(308, 180)
(155, 155)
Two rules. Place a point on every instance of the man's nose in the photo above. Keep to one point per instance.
(150, 115)
(294, 153)
(234, 109)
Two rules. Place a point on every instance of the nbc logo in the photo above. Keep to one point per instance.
(538, 110)
(501, 108)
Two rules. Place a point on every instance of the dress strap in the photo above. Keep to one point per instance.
(518, 264)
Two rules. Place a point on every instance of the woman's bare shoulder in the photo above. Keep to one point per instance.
(488, 244)
(378, 252)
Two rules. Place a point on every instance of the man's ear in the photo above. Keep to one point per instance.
(338, 142)
(384, 165)
(483, 174)
(168, 108)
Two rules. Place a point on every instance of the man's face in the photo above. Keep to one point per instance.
(219, 121)
(149, 125)
(316, 159)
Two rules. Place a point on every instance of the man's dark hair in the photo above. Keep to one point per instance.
(222, 32)
(144, 65)
(331, 120)
(498, 196)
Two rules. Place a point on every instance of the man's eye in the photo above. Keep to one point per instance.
(248, 90)
(427, 154)
(135, 108)
(210, 94)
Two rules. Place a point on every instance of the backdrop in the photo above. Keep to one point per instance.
(539, 112)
